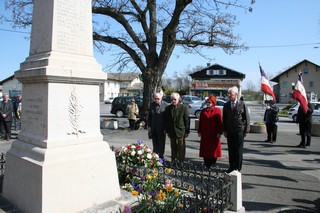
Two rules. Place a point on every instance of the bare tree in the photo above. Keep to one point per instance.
(144, 33)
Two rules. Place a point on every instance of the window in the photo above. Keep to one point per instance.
(284, 84)
(305, 70)
(310, 84)
(216, 72)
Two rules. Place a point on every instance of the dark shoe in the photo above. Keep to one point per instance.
(300, 145)
(267, 141)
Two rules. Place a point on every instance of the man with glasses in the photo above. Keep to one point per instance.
(156, 125)
(177, 127)
(236, 125)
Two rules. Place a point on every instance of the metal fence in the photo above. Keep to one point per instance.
(208, 190)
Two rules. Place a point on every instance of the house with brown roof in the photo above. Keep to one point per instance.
(216, 80)
(287, 80)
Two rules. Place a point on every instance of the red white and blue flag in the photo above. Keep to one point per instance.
(299, 93)
(265, 84)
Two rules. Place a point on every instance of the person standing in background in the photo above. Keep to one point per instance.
(271, 120)
(305, 123)
(236, 126)
(177, 127)
(156, 125)
(17, 111)
(6, 111)
(132, 111)
(210, 131)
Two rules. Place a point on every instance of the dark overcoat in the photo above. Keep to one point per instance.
(177, 121)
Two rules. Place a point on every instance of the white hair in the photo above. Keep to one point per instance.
(175, 95)
(233, 89)
(158, 94)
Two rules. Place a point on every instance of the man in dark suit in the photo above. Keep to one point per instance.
(177, 127)
(305, 122)
(236, 125)
(156, 125)
(6, 109)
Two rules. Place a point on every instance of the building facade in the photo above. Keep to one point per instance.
(287, 80)
(216, 80)
(11, 86)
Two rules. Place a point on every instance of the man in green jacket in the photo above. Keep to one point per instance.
(178, 127)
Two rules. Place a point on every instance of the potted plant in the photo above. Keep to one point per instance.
(258, 127)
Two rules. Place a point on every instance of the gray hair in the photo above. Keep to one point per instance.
(175, 95)
(233, 89)
(158, 94)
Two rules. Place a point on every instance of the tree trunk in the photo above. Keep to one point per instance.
(151, 84)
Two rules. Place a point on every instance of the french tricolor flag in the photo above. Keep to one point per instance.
(299, 93)
(265, 85)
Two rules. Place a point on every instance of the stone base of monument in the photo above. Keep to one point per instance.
(45, 180)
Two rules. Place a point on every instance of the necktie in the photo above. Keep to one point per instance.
(233, 105)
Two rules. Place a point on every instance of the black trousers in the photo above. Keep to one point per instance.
(132, 124)
(305, 130)
(272, 130)
(235, 150)
(6, 125)
(208, 162)
(158, 142)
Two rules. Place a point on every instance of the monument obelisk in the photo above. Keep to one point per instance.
(60, 163)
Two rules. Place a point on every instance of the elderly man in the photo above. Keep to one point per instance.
(177, 127)
(236, 125)
(156, 125)
(6, 109)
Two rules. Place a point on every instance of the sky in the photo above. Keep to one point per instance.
(279, 34)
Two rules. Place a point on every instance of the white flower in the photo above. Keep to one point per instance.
(149, 156)
(140, 152)
(133, 147)
(133, 153)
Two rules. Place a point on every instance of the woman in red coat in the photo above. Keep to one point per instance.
(210, 130)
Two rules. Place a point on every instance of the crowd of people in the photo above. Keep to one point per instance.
(233, 122)
(173, 120)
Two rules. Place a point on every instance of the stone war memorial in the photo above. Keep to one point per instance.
(60, 163)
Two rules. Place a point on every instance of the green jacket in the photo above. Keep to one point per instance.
(177, 121)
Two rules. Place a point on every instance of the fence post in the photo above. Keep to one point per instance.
(236, 192)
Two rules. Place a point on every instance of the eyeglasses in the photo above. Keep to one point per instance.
(209, 102)
(156, 98)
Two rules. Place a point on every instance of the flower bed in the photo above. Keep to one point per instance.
(172, 187)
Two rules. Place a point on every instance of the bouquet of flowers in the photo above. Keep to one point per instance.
(137, 154)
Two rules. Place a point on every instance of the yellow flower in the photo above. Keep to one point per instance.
(180, 205)
(161, 195)
(177, 192)
(149, 177)
(169, 171)
(155, 172)
(189, 188)
(135, 193)
(169, 188)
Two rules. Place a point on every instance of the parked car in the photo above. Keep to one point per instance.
(119, 105)
(293, 111)
(109, 100)
(167, 98)
(189, 99)
(195, 109)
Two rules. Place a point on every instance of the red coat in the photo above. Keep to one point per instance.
(210, 125)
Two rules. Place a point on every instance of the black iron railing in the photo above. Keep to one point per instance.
(207, 190)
